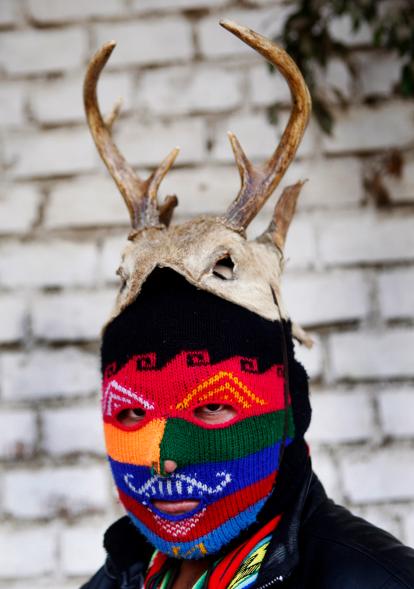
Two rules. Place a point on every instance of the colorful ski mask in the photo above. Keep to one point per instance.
(169, 361)
(214, 333)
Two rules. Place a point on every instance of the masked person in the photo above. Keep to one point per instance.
(205, 407)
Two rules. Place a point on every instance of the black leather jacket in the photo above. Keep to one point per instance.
(318, 545)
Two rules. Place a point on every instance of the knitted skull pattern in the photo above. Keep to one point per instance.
(174, 352)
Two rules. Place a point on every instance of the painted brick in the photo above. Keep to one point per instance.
(56, 263)
(85, 202)
(409, 529)
(396, 293)
(60, 101)
(383, 475)
(158, 41)
(267, 88)
(19, 207)
(111, 258)
(300, 249)
(363, 128)
(82, 552)
(258, 136)
(49, 492)
(341, 417)
(378, 73)
(334, 183)
(325, 467)
(42, 374)
(373, 354)
(312, 359)
(401, 189)
(17, 433)
(216, 42)
(8, 13)
(342, 30)
(396, 412)
(365, 238)
(148, 145)
(37, 544)
(73, 429)
(47, 11)
(144, 6)
(13, 314)
(11, 105)
(335, 78)
(71, 316)
(35, 52)
(207, 190)
(314, 299)
(50, 153)
(181, 90)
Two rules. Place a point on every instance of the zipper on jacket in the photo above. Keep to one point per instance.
(278, 579)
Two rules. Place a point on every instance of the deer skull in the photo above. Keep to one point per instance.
(212, 253)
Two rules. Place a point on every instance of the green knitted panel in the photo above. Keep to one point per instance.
(186, 443)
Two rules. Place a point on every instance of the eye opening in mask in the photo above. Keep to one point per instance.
(224, 268)
(131, 417)
(215, 413)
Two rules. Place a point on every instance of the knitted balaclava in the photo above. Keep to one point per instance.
(171, 361)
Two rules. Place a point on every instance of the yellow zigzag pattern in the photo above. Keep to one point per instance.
(237, 394)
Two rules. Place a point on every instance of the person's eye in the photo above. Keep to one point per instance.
(130, 417)
(215, 413)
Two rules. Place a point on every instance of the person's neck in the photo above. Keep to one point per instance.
(189, 572)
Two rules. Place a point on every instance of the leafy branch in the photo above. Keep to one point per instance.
(308, 39)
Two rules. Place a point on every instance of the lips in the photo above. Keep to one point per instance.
(175, 507)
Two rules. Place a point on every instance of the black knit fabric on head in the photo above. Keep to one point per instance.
(170, 315)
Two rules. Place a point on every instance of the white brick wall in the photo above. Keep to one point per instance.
(18, 432)
(55, 263)
(71, 316)
(58, 11)
(19, 207)
(373, 354)
(396, 293)
(209, 89)
(41, 374)
(82, 552)
(13, 312)
(73, 429)
(54, 491)
(36, 544)
(341, 416)
(365, 237)
(349, 265)
(396, 411)
(383, 475)
(50, 153)
(157, 41)
(36, 52)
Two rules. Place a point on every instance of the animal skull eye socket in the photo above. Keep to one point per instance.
(224, 268)
(124, 278)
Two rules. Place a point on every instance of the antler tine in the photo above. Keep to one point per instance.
(258, 182)
(139, 195)
(282, 216)
(114, 114)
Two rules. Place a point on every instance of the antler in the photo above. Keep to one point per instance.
(258, 182)
(140, 195)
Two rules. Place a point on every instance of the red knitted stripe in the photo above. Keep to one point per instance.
(214, 516)
(235, 381)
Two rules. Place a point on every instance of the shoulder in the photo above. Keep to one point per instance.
(347, 549)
